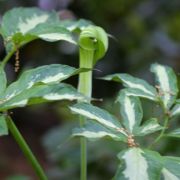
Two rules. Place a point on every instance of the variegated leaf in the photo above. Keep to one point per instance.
(137, 164)
(52, 33)
(175, 110)
(171, 170)
(22, 25)
(76, 25)
(3, 81)
(42, 93)
(3, 126)
(148, 127)
(131, 111)
(137, 87)
(47, 74)
(99, 115)
(167, 84)
(174, 133)
(95, 131)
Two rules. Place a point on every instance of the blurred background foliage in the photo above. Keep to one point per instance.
(143, 32)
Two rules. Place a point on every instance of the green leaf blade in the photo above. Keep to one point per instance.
(167, 84)
(42, 93)
(175, 133)
(78, 25)
(136, 86)
(22, 20)
(22, 25)
(99, 115)
(52, 33)
(47, 74)
(94, 131)
(131, 111)
(171, 170)
(139, 164)
(150, 126)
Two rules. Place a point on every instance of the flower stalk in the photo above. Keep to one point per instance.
(93, 43)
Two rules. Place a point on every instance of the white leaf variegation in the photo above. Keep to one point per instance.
(3, 126)
(42, 93)
(95, 131)
(137, 164)
(22, 25)
(131, 111)
(137, 87)
(148, 127)
(171, 170)
(40, 85)
(167, 84)
(47, 74)
(99, 115)
(52, 33)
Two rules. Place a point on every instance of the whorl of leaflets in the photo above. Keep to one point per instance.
(136, 163)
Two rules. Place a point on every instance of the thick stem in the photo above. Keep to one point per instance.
(85, 87)
(26, 150)
(85, 79)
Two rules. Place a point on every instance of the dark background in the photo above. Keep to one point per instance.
(144, 32)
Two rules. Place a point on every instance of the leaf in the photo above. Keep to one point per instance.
(175, 133)
(137, 164)
(167, 84)
(47, 74)
(148, 127)
(3, 80)
(52, 33)
(22, 20)
(42, 93)
(22, 25)
(171, 170)
(136, 86)
(3, 126)
(131, 111)
(175, 110)
(78, 25)
(95, 131)
(99, 115)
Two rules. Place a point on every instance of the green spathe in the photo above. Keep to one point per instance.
(94, 38)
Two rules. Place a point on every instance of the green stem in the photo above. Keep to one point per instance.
(85, 87)
(162, 132)
(7, 57)
(26, 150)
